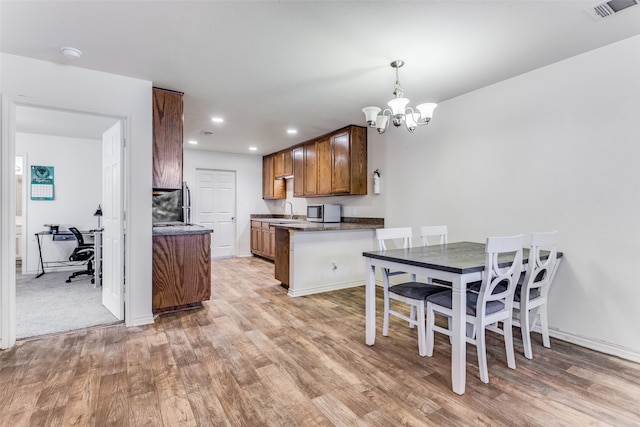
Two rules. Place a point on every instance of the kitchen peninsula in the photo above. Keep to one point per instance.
(315, 257)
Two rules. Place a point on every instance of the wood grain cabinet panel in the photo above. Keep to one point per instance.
(310, 177)
(331, 165)
(263, 239)
(167, 139)
(272, 188)
(298, 171)
(325, 167)
(181, 268)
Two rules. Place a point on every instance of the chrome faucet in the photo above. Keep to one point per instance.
(285, 208)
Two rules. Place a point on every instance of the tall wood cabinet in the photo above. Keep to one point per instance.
(167, 139)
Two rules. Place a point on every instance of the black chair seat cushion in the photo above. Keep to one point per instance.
(415, 290)
(444, 299)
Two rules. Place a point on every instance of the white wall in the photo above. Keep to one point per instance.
(77, 189)
(249, 201)
(554, 149)
(86, 90)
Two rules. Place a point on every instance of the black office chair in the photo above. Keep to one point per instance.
(82, 252)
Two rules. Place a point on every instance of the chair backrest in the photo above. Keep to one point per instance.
(540, 271)
(503, 265)
(403, 233)
(427, 231)
(77, 235)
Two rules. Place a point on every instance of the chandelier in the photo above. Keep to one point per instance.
(399, 112)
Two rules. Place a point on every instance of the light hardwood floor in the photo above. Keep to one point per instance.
(255, 357)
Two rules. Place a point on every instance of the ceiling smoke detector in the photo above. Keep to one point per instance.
(70, 52)
(610, 8)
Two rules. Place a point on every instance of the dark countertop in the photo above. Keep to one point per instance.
(177, 230)
(326, 226)
(299, 223)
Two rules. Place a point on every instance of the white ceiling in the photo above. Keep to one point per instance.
(266, 66)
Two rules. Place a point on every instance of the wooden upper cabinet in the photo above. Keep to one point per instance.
(298, 171)
(332, 165)
(325, 167)
(310, 177)
(272, 188)
(283, 164)
(167, 139)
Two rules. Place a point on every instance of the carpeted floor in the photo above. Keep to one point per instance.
(48, 305)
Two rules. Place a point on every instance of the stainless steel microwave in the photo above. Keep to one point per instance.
(323, 213)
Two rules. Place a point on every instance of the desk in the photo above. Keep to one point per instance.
(67, 236)
(459, 263)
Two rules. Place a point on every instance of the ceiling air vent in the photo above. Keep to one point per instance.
(206, 133)
(610, 8)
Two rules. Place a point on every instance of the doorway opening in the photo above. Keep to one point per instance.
(70, 143)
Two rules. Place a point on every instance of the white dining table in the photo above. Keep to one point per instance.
(459, 263)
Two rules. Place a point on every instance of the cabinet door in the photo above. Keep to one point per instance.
(266, 241)
(255, 237)
(272, 188)
(340, 163)
(267, 177)
(167, 139)
(288, 163)
(278, 166)
(298, 171)
(310, 169)
(324, 166)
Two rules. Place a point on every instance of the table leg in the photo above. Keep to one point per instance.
(370, 297)
(458, 339)
(40, 269)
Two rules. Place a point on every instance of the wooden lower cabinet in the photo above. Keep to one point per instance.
(282, 256)
(181, 268)
(263, 239)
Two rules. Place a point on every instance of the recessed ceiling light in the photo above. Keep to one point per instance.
(292, 131)
(70, 52)
(253, 148)
(217, 119)
(193, 141)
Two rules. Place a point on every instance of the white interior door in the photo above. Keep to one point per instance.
(215, 208)
(113, 236)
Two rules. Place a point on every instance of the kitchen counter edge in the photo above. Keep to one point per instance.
(179, 230)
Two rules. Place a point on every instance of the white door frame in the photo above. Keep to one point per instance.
(8, 206)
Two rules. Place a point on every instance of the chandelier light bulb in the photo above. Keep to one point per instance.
(399, 112)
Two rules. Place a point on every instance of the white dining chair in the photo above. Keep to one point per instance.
(530, 298)
(484, 308)
(412, 293)
(439, 231)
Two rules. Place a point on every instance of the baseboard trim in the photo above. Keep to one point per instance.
(140, 321)
(323, 288)
(596, 345)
